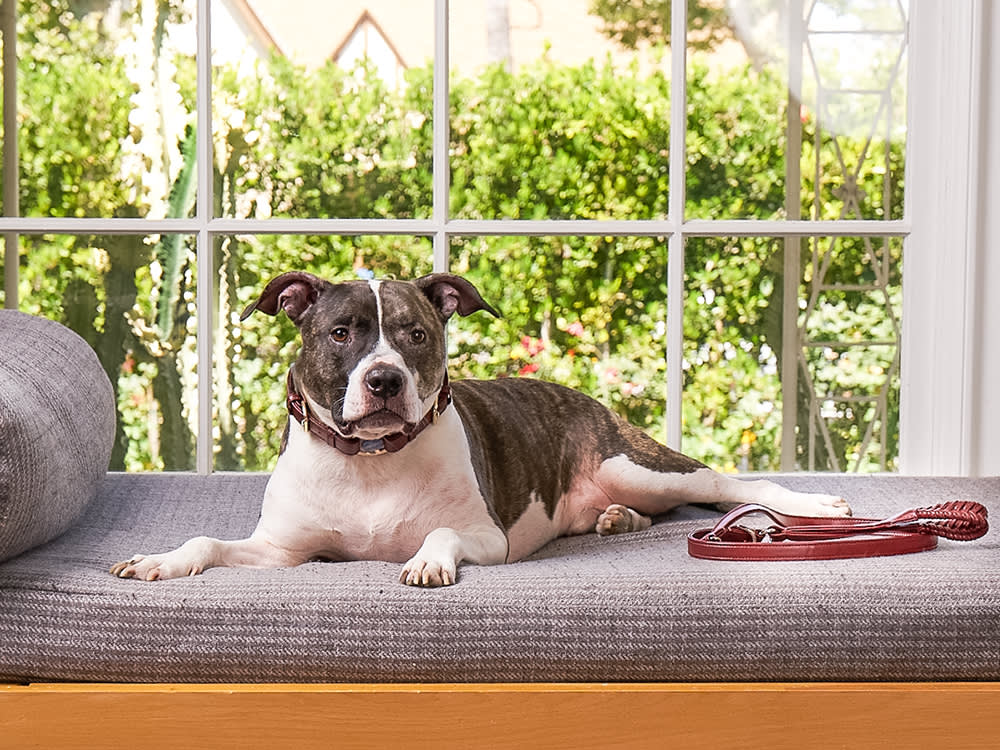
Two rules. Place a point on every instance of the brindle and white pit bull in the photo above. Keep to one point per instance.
(384, 460)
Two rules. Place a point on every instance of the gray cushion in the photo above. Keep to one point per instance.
(57, 425)
(633, 607)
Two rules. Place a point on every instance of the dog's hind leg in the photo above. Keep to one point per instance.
(650, 478)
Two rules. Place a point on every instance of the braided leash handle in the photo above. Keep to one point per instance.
(960, 521)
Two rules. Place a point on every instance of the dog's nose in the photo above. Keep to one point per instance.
(384, 382)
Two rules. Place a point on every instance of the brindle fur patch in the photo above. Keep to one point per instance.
(513, 419)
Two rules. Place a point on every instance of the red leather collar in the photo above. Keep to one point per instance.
(802, 538)
(352, 446)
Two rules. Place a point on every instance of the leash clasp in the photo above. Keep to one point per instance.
(744, 534)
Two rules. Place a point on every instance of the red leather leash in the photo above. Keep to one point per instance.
(805, 538)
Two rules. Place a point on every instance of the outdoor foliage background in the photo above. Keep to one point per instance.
(547, 141)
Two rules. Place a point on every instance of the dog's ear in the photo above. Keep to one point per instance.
(294, 292)
(451, 294)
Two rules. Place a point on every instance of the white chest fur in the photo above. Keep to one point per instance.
(321, 503)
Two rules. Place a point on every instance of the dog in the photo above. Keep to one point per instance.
(383, 459)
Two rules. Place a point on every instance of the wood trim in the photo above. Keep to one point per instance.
(747, 715)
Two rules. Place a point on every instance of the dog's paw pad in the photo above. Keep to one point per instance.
(617, 519)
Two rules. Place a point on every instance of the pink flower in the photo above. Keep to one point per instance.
(533, 346)
(575, 329)
(632, 389)
(528, 369)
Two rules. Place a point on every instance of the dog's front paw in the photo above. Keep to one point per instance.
(154, 568)
(428, 573)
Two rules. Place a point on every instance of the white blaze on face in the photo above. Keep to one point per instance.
(359, 402)
(375, 287)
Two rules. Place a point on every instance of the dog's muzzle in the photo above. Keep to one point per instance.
(352, 446)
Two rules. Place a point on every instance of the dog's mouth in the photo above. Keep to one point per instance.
(373, 425)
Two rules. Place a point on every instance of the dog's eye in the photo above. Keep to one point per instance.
(417, 336)
(340, 334)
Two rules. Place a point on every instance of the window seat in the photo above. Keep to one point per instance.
(584, 609)
(588, 635)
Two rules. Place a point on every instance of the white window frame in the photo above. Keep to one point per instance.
(949, 408)
(950, 344)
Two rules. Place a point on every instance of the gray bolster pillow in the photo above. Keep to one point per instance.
(57, 427)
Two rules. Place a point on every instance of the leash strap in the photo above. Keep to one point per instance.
(806, 538)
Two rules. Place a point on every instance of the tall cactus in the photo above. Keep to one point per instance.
(170, 249)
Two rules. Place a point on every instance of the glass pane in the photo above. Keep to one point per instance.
(323, 110)
(133, 300)
(849, 336)
(798, 110)
(585, 312)
(846, 356)
(106, 96)
(553, 117)
(732, 350)
(252, 356)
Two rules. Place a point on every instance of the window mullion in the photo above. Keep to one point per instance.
(441, 170)
(675, 248)
(792, 246)
(11, 171)
(203, 241)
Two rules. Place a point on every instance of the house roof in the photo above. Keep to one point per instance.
(249, 22)
(311, 31)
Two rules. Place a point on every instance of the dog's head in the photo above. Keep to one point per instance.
(373, 354)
